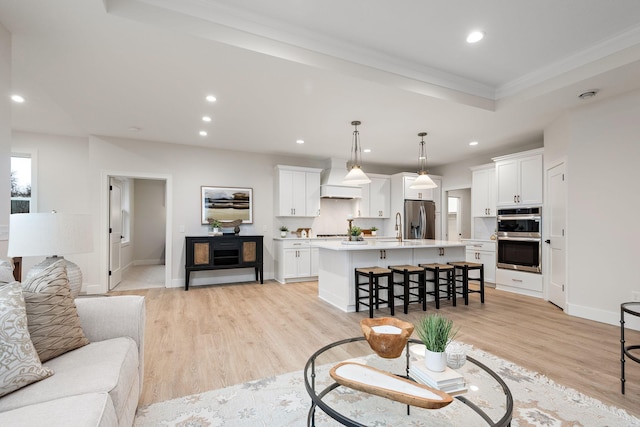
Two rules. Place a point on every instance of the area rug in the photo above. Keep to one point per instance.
(282, 401)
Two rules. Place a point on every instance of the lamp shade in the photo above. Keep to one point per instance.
(356, 176)
(47, 234)
(423, 182)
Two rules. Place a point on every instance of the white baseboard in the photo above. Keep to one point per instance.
(603, 316)
(147, 262)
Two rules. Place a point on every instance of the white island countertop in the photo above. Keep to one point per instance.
(386, 244)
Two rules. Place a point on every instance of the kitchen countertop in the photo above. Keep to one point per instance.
(333, 238)
(387, 244)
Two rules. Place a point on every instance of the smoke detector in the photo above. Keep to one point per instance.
(588, 94)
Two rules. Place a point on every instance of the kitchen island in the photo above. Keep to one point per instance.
(337, 261)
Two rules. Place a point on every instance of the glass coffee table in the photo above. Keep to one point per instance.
(487, 401)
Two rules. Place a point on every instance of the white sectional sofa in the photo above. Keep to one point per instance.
(98, 384)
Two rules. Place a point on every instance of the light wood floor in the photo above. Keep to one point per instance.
(215, 336)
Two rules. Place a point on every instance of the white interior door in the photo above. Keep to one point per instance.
(115, 232)
(556, 218)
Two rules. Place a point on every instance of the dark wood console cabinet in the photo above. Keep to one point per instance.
(222, 252)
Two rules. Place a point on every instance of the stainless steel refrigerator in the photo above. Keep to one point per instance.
(419, 219)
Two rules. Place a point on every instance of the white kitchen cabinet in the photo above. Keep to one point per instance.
(315, 257)
(376, 198)
(483, 191)
(294, 260)
(297, 191)
(520, 282)
(484, 253)
(519, 179)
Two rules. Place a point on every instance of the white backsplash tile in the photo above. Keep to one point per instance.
(483, 228)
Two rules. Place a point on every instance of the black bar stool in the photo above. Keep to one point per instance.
(372, 287)
(447, 281)
(462, 269)
(413, 284)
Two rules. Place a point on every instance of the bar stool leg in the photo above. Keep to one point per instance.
(406, 291)
(451, 287)
(357, 291)
(422, 284)
(436, 283)
(390, 297)
(465, 284)
(371, 295)
(482, 284)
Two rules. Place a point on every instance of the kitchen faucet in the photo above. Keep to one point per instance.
(398, 226)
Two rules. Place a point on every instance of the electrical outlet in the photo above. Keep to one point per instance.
(635, 295)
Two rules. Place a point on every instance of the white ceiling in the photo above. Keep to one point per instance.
(289, 69)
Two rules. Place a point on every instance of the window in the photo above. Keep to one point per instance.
(21, 173)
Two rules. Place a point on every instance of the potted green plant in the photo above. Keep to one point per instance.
(214, 226)
(283, 231)
(355, 233)
(374, 230)
(435, 332)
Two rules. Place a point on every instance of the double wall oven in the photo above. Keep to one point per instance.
(520, 239)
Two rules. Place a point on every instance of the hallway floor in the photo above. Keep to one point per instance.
(142, 277)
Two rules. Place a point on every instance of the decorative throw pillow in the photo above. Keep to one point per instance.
(19, 364)
(6, 272)
(52, 315)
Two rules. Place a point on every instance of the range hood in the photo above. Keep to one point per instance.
(331, 186)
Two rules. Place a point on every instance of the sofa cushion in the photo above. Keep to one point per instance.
(6, 272)
(19, 365)
(109, 366)
(91, 409)
(53, 319)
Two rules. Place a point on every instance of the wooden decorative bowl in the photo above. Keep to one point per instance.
(387, 336)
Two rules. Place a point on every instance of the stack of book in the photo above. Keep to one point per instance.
(449, 381)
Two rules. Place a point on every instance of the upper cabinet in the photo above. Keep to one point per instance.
(376, 198)
(519, 179)
(297, 191)
(483, 191)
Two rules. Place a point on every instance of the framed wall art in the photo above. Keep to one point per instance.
(226, 204)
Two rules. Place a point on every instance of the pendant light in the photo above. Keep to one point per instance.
(423, 181)
(356, 175)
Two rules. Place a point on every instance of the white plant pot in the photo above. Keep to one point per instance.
(435, 361)
(283, 234)
(374, 233)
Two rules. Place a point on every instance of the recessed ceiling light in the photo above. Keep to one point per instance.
(299, 141)
(17, 98)
(211, 98)
(472, 143)
(206, 118)
(367, 150)
(475, 36)
(203, 133)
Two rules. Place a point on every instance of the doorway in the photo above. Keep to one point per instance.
(143, 245)
(458, 210)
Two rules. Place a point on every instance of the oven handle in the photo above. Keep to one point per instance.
(521, 239)
(519, 217)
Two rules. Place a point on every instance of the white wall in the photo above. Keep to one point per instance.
(149, 220)
(5, 136)
(602, 145)
(71, 172)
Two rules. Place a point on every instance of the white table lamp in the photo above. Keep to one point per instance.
(51, 235)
